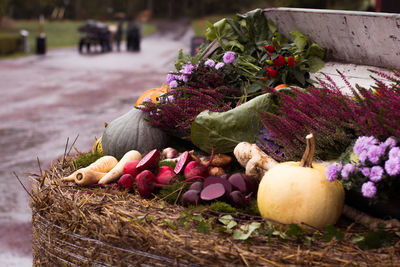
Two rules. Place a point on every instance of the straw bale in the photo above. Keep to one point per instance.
(106, 227)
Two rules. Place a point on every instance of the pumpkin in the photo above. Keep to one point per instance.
(298, 192)
(131, 131)
(152, 94)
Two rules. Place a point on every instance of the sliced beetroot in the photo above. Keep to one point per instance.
(194, 168)
(196, 186)
(238, 182)
(191, 197)
(126, 181)
(218, 180)
(130, 168)
(150, 161)
(165, 176)
(145, 183)
(237, 199)
(184, 159)
(213, 192)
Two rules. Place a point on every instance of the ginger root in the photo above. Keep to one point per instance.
(253, 159)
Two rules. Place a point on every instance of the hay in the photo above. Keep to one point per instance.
(107, 227)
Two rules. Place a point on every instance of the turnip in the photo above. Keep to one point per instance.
(183, 160)
(213, 192)
(165, 176)
(145, 183)
(150, 161)
(130, 168)
(126, 181)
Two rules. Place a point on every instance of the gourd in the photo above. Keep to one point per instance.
(152, 94)
(131, 131)
(298, 192)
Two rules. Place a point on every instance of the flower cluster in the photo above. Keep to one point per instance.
(377, 167)
(183, 76)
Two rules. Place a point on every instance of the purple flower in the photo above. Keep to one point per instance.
(188, 69)
(347, 169)
(365, 171)
(392, 166)
(171, 98)
(219, 65)
(394, 153)
(210, 63)
(332, 171)
(376, 174)
(368, 189)
(363, 143)
(173, 84)
(390, 142)
(374, 153)
(229, 57)
(170, 78)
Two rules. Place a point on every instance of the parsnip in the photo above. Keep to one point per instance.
(88, 177)
(116, 172)
(253, 159)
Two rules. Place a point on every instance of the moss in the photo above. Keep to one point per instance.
(222, 207)
(172, 193)
(167, 163)
(252, 208)
(86, 159)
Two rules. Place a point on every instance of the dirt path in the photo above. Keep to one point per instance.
(47, 99)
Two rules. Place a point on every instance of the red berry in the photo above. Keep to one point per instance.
(270, 48)
(291, 62)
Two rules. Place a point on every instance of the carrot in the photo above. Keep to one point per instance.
(101, 165)
(116, 172)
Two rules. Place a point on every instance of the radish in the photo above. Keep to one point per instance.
(165, 176)
(126, 182)
(213, 192)
(183, 160)
(130, 168)
(145, 183)
(194, 168)
(150, 161)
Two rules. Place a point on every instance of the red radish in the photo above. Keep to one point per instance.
(126, 182)
(195, 168)
(183, 160)
(165, 176)
(150, 161)
(213, 192)
(130, 168)
(218, 180)
(145, 183)
(191, 197)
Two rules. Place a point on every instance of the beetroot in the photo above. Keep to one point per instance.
(145, 183)
(218, 180)
(165, 176)
(238, 182)
(183, 160)
(130, 168)
(213, 192)
(126, 182)
(150, 161)
(195, 168)
(196, 186)
(191, 197)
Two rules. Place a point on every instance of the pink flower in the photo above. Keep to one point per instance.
(229, 57)
(219, 65)
(368, 189)
(210, 63)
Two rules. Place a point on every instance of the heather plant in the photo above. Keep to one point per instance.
(374, 172)
(335, 118)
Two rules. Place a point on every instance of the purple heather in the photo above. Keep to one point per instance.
(347, 169)
(170, 78)
(173, 84)
(219, 65)
(188, 69)
(392, 166)
(210, 63)
(376, 174)
(368, 189)
(229, 57)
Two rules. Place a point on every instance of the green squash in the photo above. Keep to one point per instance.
(132, 132)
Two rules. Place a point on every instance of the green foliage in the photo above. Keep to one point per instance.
(86, 159)
(222, 207)
(374, 239)
(171, 164)
(172, 193)
(332, 232)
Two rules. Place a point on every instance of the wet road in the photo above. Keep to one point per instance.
(47, 99)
